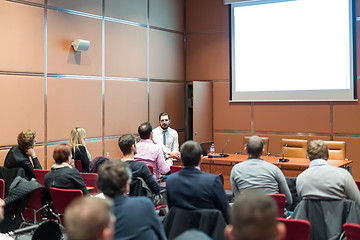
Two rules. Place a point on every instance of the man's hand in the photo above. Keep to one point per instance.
(169, 162)
(30, 152)
(174, 155)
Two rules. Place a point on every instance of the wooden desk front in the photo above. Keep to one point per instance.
(290, 169)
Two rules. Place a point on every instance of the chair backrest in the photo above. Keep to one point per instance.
(209, 221)
(78, 165)
(337, 149)
(296, 229)
(2, 188)
(352, 231)
(62, 197)
(265, 140)
(90, 180)
(151, 168)
(174, 169)
(280, 201)
(32, 211)
(40, 175)
(294, 148)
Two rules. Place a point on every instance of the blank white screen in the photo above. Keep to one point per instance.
(292, 51)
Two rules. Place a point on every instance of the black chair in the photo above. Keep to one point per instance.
(209, 221)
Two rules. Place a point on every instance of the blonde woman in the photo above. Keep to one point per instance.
(78, 148)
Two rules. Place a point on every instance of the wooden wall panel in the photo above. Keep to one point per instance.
(22, 38)
(352, 153)
(234, 146)
(22, 107)
(292, 117)
(129, 10)
(95, 149)
(3, 153)
(88, 6)
(202, 111)
(112, 147)
(125, 106)
(234, 116)
(73, 103)
(125, 51)
(167, 14)
(63, 28)
(347, 115)
(166, 55)
(206, 15)
(167, 97)
(207, 56)
(181, 138)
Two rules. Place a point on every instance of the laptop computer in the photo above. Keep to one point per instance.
(206, 147)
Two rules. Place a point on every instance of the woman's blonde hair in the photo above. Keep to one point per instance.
(77, 137)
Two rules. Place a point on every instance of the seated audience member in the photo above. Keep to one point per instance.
(18, 156)
(139, 169)
(135, 216)
(253, 216)
(89, 218)
(192, 188)
(78, 148)
(166, 137)
(62, 174)
(255, 173)
(150, 153)
(323, 181)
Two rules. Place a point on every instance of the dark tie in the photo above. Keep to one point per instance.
(164, 137)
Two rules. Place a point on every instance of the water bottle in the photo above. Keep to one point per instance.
(108, 155)
(212, 149)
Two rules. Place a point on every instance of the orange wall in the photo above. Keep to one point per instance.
(133, 70)
(207, 58)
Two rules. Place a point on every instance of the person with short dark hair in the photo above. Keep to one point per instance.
(166, 137)
(135, 216)
(255, 173)
(62, 174)
(150, 153)
(18, 156)
(253, 216)
(322, 181)
(127, 144)
(193, 189)
(89, 218)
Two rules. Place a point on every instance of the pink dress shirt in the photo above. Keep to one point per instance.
(151, 154)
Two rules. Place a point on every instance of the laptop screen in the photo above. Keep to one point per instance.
(206, 147)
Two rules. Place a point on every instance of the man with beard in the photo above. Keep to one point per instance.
(166, 137)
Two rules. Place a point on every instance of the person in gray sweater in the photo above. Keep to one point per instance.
(255, 173)
(322, 181)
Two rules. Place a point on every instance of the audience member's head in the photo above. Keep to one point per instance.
(145, 130)
(317, 149)
(190, 153)
(164, 120)
(114, 177)
(26, 139)
(254, 146)
(62, 153)
(253, 216)
(89, 218)
(77, 136)
(126, 142)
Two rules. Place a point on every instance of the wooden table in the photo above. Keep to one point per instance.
(290, 169)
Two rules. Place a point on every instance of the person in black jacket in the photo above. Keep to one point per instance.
(62, 174)
(18, 156)
(139, 169)
(79, 150)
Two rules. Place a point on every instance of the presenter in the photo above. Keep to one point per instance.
(166, 137)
